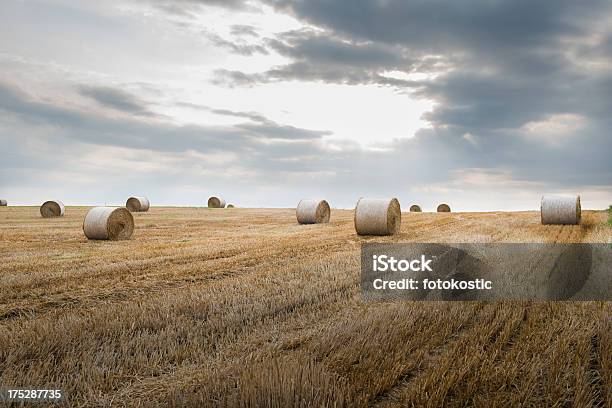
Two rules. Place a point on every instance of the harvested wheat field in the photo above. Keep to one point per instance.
(244, 307)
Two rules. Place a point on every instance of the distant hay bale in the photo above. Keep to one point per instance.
(560, 209)
(312, 212)
(378, 216)
(52, 209)
(3, 203)
(443, 208)
(415, 208)
(138, 204)
(216, 202)
(230, 206)
(113, 223)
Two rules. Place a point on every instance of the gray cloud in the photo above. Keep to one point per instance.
(232, 4)
(321, 48)
(254, 116)
(509, 61)
(274, 155)
(87, 127)
(244, 30)
(523, 93)
(264, 126)
(444, 25)
(186, 7)
(234, 78)
(115, 98)
(323, 57)
(236, 46)
(505, 68)
(273, 130)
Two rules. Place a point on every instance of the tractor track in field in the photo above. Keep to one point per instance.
(405, 380)
(186, 276)
(396, 396)
(89, 297)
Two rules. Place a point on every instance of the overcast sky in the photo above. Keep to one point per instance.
(481, 104)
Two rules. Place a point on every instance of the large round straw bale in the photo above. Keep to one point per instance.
(52, 209)
(443, 208)
(230, 206)
(112, 223)
(378, 216)
(415, 208)
(216, 202)
(560, 209)
(3, 203)
(312, 211)
(138, 204)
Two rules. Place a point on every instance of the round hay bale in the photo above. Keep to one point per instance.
(137, 204)
(415, 208)
(560, 209)
(3, 203)
(378, 216)
(52, 209)
(216, 202)
(112, 223)
(230, 206)
(443, 208)
(312, 211)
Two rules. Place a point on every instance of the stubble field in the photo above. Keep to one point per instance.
(244, 307)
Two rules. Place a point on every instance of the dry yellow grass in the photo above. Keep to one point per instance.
(245, 307)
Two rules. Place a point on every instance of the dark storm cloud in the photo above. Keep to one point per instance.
(446, 25)
(319, 56)
(504, 63)
(477, 101)
(115, 98)
(321, 48)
